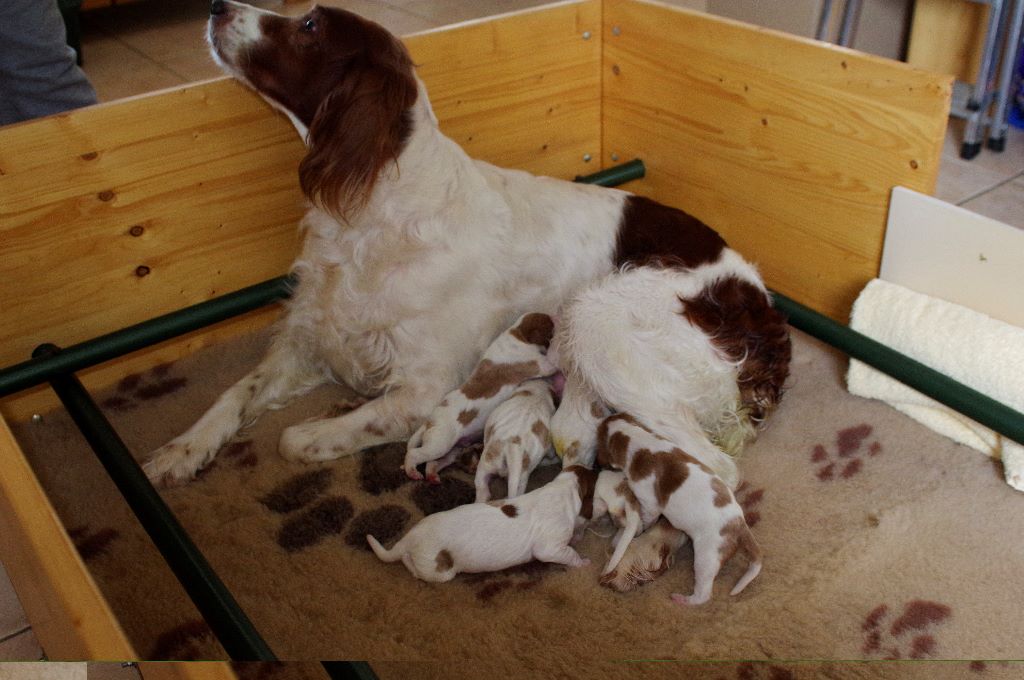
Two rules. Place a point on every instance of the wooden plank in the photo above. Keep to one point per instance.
(787, 146)
(120, 212)
(69, 616)
(946, 36)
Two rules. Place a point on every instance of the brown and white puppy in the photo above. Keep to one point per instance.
(481, 537)
(517, 438)
(614, 497)
(667, 481)
(517, 355)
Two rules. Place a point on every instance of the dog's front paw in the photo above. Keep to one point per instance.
(174, 463)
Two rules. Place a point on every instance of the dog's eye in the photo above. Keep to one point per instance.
(309, 25)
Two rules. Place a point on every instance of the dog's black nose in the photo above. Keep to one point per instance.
(217, 7)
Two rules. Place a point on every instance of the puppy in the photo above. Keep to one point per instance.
(612, 495)
(517, 355)
(667, 481)
(574, 425)
(483, 537)
(516, 439)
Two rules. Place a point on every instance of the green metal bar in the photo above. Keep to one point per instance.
(348, 670)
(92, 352)
(42, 369)
(943, 389)
(214, 601)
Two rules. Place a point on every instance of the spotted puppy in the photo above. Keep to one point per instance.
(481, 537)
(613, 496)
(516, 439)
(668, 481)
(517, 355)
(574, 425)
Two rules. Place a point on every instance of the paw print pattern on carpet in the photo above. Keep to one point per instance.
(311, 518)
(749, 498)
(909, 636)
(186, 642)
(136, 388)
(749, 670)
(518, 578)
(850, 452)
(91, 544)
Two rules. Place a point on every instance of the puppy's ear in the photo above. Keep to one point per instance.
(359, 127)
(587, 481)
(603, 456)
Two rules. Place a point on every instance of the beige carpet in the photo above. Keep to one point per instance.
(882, 541)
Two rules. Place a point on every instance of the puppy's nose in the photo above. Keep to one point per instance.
(217, 7)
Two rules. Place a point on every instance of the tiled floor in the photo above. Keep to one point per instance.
(136, 48)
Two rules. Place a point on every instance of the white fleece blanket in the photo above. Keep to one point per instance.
(975, 349)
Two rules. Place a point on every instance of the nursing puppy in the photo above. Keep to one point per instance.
(667, 481)
(517, 438)
(574, 425)
(483, 537)
(612, 495)
(517, 355)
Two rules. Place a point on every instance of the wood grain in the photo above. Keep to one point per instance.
(787, 146)
(947, 36)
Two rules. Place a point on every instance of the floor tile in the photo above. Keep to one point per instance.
(453, 11)
(1004, 203)
(960, 180)
(1007, 163)
(21, 647)
(116, 70)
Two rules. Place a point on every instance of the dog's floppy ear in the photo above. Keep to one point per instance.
(361, 125)
(587, 480)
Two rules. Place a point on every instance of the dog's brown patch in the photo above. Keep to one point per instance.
(468, 416)
(526, 463)
(743, 325)
(597, 410)
(488, 378)
(535, 329)
(671, 470)
(297, 491)
(444, 561)
(541, 431)
(611, 449)
(731, 533)
(587, 480)
(322, 519)
(492, 451)
(509, 510)
(384, 523)
(656, 235)
(374, 429)
(624, 491)
(722, 495)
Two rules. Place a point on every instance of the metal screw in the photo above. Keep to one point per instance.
(586, 158)
(615, 157)
(36, 418)
(586, 35)
(616, 30)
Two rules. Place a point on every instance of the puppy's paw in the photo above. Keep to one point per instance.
(688, 600)
(174, 463)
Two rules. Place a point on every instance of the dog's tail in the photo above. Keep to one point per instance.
(383, 553)
(753, 552)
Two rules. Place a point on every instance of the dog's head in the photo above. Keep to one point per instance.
(345, 79)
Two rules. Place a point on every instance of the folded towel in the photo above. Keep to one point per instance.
(975, 349)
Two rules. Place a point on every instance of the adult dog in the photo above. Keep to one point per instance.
(415, 257)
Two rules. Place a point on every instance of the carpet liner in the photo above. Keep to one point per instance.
(882, 541)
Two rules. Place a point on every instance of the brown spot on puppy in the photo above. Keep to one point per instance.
(587, 480)
(730, 533)
(623, 491)
(597, 409)
(375, 430)
(722, 496)
(535, 329)
(541, 430)
(489, 377)
(509, 510)
(444, 561)
(466, 417)
(492, 452)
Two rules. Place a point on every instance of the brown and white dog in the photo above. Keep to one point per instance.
(517, 355)
(516, 439)
(481, 537)
(416, 256)
(667, 481)
(613, 496)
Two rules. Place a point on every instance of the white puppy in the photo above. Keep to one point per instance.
(612, 495)
(668, 481)
(481, 537)
(517, 355)
(574, 425)
(517, 438)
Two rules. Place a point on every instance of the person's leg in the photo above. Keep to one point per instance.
(38, 73)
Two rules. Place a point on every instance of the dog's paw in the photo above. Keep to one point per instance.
(688, 600)
(173, 464)
(310, 443)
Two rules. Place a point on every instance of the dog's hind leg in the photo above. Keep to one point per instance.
(282, 375)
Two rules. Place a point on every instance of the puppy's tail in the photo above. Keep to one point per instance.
(753, 552)
(383, 553)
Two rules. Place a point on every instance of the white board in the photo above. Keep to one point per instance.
(956, 255)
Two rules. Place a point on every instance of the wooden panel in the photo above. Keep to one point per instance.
(69, 616)
(787, 146)
(522, 91)
(946, 36)
(117, 213)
